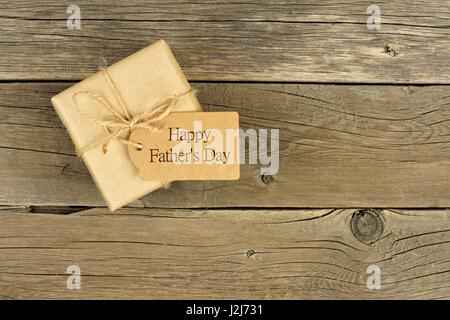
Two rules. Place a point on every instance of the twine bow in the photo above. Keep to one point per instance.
(119, 126)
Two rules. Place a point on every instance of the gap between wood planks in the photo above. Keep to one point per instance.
(262, 82)
(67, 210)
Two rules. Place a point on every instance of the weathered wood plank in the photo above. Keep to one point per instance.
(341, 146)
(324, 41)
(271, 254)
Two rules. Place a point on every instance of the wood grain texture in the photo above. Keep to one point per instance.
(324, 41)
(211, 254)
(341, 146)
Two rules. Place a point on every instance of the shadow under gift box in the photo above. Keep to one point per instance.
(142, 79)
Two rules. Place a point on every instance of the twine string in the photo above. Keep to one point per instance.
(119, 126)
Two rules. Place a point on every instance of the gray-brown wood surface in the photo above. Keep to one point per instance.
(292, 40)
(364, 119)
(262, 254)
(340, 146)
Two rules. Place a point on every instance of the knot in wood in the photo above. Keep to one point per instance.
(267, 179)
(367, 225)
(250, 253)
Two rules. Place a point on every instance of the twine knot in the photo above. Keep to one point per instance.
(120, 125)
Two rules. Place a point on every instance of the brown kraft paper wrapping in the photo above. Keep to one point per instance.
(143, 79)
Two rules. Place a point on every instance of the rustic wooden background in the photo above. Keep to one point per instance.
(364, 118)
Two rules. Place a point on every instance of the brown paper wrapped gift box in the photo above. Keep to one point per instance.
(143, 79)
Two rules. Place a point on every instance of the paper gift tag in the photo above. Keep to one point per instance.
(189, 146)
